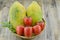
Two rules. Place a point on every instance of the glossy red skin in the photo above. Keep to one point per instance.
(20, 30)
(27, 21)
(42, 24)
(28, 31)
(36, 29)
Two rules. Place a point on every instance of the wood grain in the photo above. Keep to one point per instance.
(51, 12)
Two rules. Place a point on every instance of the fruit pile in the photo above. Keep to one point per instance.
(28, 22)
(28, 30)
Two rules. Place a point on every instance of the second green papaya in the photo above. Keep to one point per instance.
(34, 11)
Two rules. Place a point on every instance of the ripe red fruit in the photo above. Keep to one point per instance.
(37, 29)
(42, 24)
(28, 21)
(20, 30)
(28, 31)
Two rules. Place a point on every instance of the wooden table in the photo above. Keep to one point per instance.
(51, 12)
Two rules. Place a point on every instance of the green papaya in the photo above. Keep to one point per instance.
(34, 11)
(16, 14)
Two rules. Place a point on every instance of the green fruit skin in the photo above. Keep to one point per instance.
(34, 11)
(17, 13)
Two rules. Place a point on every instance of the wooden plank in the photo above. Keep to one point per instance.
(58, 19)
(50, 15)
(49, 11)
